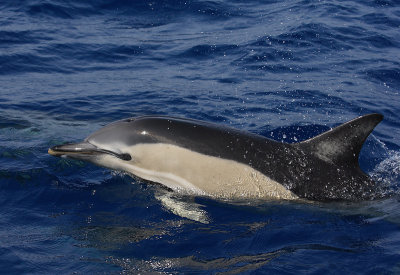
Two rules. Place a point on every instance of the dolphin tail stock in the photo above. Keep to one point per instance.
(342, 144)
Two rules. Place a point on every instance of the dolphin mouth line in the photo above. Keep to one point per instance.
(71, 149)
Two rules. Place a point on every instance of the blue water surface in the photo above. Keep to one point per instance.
(287, 70)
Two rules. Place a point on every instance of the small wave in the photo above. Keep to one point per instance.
(208, 51)
(381, 3)
(378, 41)
(50, 10)
(68, 58)
(14, 123)
(14, 178)
(389, 77)
(168, 8)
(27, 62)
(211, 9)
(55, 9)
(92, 52)
(18, 37)
(380, 19)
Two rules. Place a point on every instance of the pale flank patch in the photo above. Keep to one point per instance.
(182, 169)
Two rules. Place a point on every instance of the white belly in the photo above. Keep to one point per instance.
(185, 170)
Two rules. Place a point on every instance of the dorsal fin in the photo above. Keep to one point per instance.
(342, 145)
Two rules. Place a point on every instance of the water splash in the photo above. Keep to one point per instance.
(387, 172)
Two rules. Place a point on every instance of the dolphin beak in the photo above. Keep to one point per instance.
(71, 149)
(83, 150)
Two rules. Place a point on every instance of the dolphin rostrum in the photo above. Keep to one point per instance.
(204, 158)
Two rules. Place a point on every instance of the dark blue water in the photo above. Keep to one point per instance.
(284, 69)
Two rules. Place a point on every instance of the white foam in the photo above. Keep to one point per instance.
(388, 171)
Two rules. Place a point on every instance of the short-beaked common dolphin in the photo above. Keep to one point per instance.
(208, 159)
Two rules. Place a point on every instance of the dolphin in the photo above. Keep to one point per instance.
(203, 158)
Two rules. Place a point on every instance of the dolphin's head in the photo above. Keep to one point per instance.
(112, 141)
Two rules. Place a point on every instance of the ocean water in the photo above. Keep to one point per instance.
(287, 70)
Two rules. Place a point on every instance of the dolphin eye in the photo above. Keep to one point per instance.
(125, 157)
